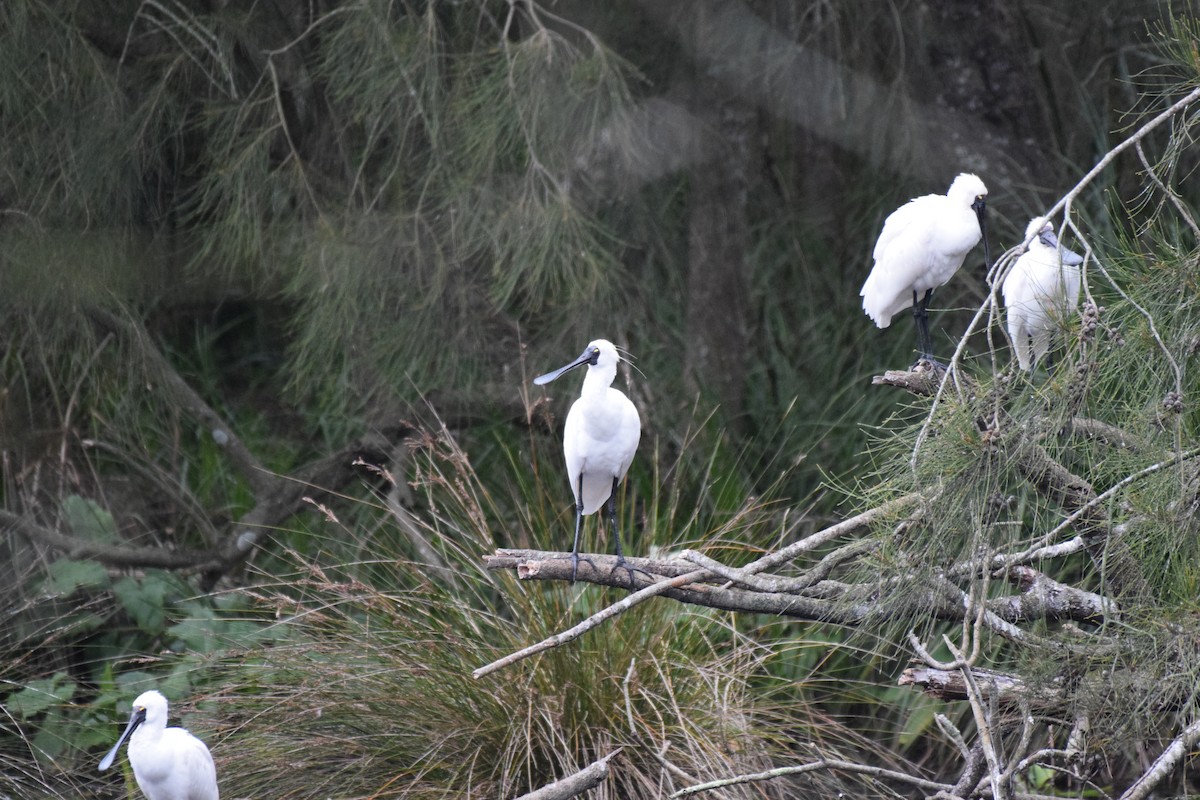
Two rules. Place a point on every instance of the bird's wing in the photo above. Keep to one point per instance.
(1046, 282)
(572, 441)
(631, 427)
(889, 287)
(201, 771)
(1013, 288)
(900, 257)
(911, 214)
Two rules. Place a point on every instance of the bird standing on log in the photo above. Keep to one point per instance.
(922, 245)
(599, 439)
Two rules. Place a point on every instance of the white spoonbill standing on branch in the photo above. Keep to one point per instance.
(599, 439)
(1039, 291)
(168, 763)
(922, 245)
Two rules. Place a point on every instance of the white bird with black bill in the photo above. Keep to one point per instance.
(1040, 290)
(599, 439)
(922, 244)
(168, 763)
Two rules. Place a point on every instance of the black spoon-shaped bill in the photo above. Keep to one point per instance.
(585, 358)
(137, 718)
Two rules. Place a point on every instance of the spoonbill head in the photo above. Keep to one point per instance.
(1040, 290)
(168, 763)
(922, 244)
(599, 439)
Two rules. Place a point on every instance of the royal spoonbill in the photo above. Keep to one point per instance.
(922, 245)
(1039, 291)
(600, 437)
(168, 763)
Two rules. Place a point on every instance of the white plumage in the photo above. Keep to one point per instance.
(168, 763)
(600, 437)
(1039, 292)
(922, 244)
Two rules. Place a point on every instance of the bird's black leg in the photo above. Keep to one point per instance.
(578, 527)
(612, 520)
(616, 534)
(921, 318)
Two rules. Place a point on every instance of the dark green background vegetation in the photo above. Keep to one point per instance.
(240, 239)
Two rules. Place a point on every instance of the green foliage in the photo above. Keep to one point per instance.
(40, 695)
(88, 520)
(65, 575)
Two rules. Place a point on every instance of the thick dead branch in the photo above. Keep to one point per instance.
(921, 382)
(113, 555)
(1044, 598)
(573, 785)
(603, 570)
(323, 476)
(1001, 690)
(817, 601)
(1098, 431)
(277, 497)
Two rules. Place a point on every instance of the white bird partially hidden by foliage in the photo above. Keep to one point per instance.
(599, 440)
(922, 245)
(1040, 291)
(168, 763)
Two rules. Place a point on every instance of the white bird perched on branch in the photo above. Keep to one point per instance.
(599, 439)
(922, 244)
(1040, 290)
(168, 763)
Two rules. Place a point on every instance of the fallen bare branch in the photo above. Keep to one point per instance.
(573, 785)
(1006, 691)
(773, 559)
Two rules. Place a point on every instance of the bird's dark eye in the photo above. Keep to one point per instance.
(595, 355)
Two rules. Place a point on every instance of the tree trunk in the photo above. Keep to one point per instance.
(718, 238)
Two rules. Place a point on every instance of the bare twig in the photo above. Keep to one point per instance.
(1165, 763)
(820, 764)
(1091, 503)
(983, 720)
(1170, 194)
(601, 616)
(184, 396)
(842, 528)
